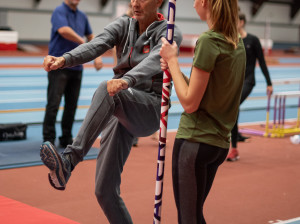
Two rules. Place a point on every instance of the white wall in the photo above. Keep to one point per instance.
(86, 5)
(37, 26)
(283, 29)
(33, 24)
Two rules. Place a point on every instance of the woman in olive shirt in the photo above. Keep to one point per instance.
(210, 100)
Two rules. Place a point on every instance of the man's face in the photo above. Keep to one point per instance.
(144, 9)
(73, 3)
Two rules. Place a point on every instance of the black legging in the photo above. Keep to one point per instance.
(247, 89)
(194, 166)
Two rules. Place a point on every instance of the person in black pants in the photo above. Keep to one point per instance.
(253, 52)
(69, 27)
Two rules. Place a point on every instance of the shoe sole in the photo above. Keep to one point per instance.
(52, 160)
(233, 159)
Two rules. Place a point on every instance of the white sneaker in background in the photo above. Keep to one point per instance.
(295, 139)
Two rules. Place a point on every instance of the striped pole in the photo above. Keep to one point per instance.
(163, 121)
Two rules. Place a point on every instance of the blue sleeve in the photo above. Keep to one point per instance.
(59, 19)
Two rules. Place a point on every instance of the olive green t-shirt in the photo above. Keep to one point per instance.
(218, 109)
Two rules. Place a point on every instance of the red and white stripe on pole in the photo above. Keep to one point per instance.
(163, 120)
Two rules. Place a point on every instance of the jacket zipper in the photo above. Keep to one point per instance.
(129, 56)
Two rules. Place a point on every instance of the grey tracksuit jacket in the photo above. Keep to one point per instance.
(137, 55)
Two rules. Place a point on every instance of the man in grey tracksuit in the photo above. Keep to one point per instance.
(121, 108)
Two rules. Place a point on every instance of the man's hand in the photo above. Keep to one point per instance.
(53, 63)
(98, 64)
(116, 85)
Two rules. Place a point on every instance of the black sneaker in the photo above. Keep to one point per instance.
(242, 138)
(63, 142)
(135, 141)
(59, 165)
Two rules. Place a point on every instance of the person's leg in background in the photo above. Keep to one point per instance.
(56, 86)
(234, 154)
(71, 96)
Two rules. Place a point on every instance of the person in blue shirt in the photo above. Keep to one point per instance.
(70, 27)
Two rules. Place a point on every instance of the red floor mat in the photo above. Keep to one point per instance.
(13, 212)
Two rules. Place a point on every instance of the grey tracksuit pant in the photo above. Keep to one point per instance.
(129, 113)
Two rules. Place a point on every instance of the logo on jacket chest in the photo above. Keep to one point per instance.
(146, 49)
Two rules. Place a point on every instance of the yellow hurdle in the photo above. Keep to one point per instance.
(278, 128)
